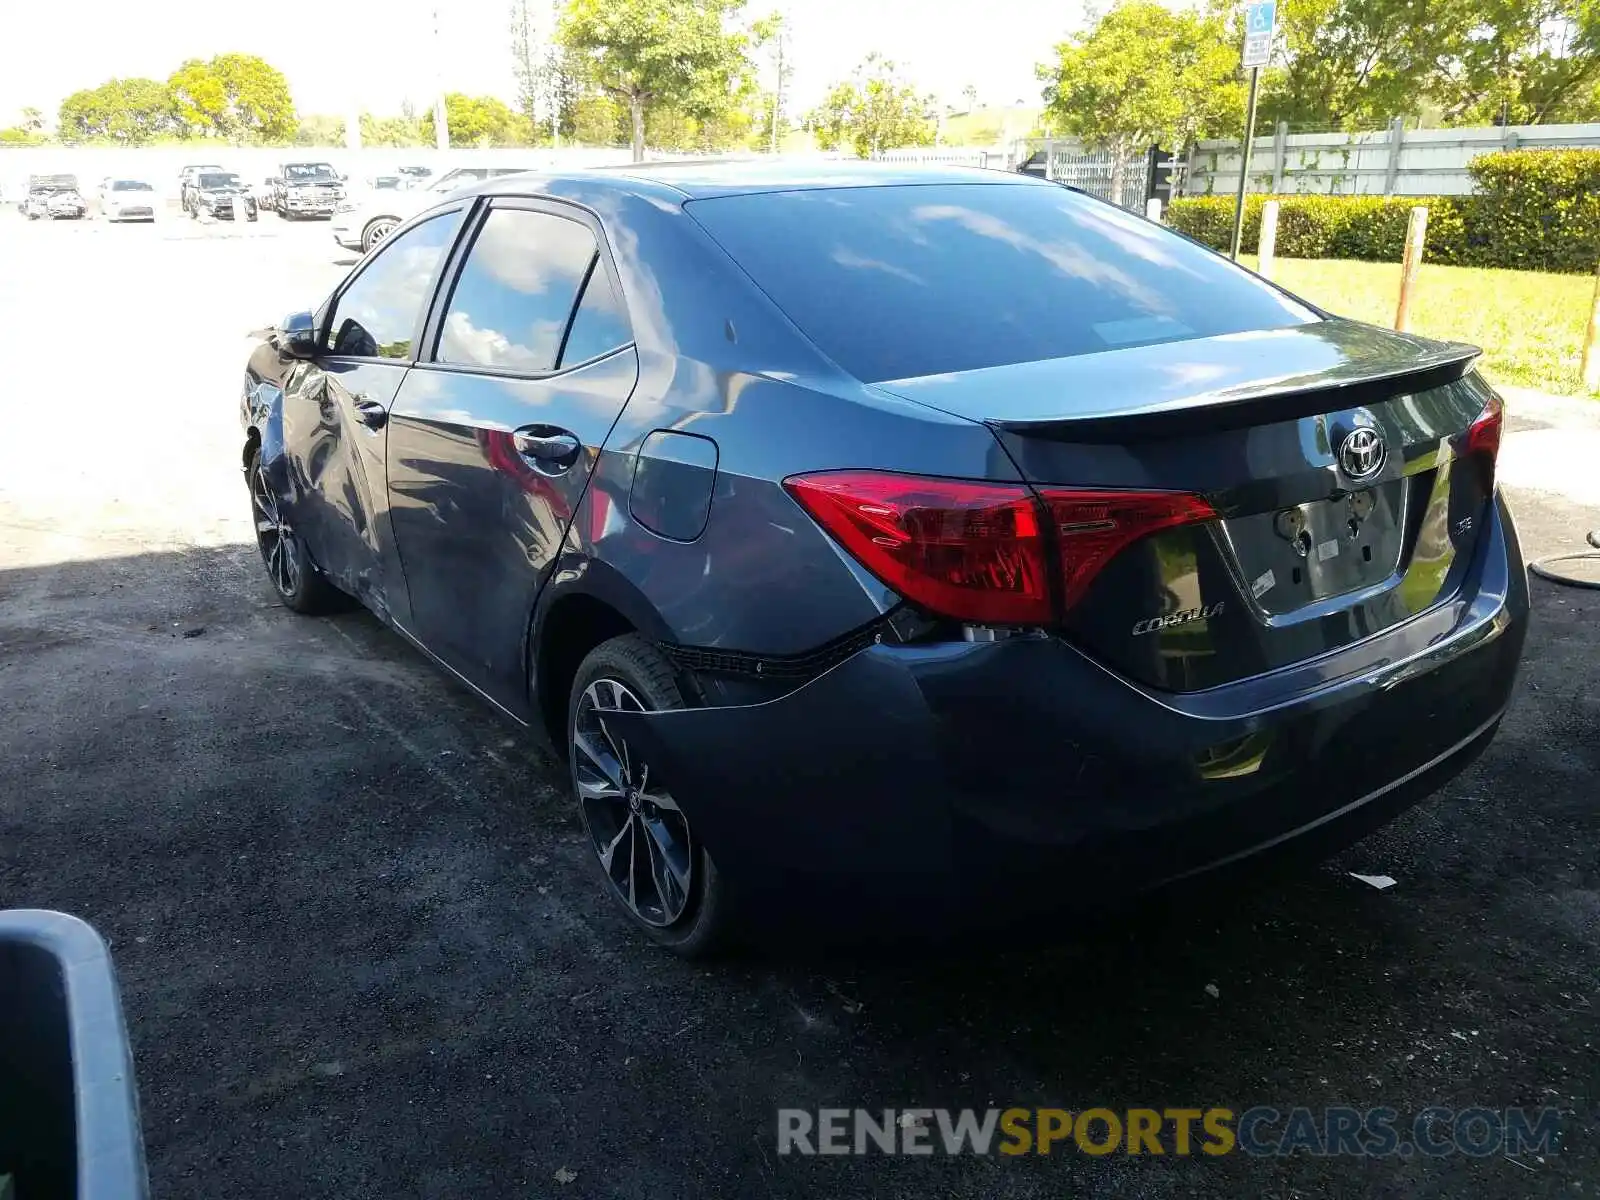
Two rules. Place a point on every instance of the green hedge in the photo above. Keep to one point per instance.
(1533, 210)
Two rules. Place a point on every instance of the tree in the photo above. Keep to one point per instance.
(1144, 75)
(32, 120)
(319, 129)
(1521, 62)
(404, 130)
(874, 110)
(234, 96)
(679, 54)
(533, 64)
(772, 34)
(479, 121)
(970, 95)
(129, 111)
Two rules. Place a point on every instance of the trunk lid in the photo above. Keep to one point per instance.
(1335, 455)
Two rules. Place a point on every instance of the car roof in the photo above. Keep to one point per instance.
(697, 179)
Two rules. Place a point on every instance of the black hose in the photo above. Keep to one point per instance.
(1580, 569)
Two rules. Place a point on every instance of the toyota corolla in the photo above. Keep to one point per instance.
(910, 545)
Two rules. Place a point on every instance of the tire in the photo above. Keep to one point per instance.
(377, 229)
(690, 915)
(296, 579)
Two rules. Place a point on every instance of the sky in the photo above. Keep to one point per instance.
(377, 53)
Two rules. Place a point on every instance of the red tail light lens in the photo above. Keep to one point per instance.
(1482, 439)
(964, 550)
(1093, 527)
(981, 552)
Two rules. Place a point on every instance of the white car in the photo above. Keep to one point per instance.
(362, 222)
(129, 200)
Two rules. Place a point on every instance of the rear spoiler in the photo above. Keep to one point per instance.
(1351, 385)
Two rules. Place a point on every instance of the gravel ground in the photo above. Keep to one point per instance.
(362, 954)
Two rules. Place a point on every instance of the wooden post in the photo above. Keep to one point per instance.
(1152, 209)
(1280, 154)
(1269, 238)
(1416, 233)
(1591, 343)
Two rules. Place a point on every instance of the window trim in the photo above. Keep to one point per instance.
(330, 306)
(445, 290)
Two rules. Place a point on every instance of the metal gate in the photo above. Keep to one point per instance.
(1095, 171)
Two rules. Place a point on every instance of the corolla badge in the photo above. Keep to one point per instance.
(1182, 617)
(1362, 453)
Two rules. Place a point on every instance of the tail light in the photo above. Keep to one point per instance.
(1481, 442)
(1092, 528)
(985, 552)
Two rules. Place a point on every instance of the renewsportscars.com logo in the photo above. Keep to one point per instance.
(1260, 1131)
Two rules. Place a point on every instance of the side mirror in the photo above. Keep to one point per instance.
(297, 335)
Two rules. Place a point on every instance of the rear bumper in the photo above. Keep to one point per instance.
(973, 777)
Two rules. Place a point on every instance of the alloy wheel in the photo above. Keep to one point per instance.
(274, 536)
(378, 231)
(637, 829)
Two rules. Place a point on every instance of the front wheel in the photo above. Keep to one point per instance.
(639, 837)
(294, 577)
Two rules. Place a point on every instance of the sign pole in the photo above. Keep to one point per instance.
(1244, 160)
(1260, 19)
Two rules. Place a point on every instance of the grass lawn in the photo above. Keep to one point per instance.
(1529, 324)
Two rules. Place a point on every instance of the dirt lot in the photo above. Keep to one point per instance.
(362, 956)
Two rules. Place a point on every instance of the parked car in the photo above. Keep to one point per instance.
(974, 548)
(54, 197)
(307, 189)
(186, 182)
(221, 195)
(129, 200)
(362, 224)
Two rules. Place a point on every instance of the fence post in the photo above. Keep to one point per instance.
(1152, 209)
(1267, 246)
(1397, 132)
(1280, 153)
(1591, 343)
(1416, 233)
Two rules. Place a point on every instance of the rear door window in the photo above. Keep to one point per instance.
(894, 282)
(514, 297)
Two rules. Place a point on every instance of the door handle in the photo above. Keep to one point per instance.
(370, 413)
(552, 447)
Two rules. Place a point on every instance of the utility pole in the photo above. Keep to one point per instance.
(1260, 16)
(777, 91)
(441, 127)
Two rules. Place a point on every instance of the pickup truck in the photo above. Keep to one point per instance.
(305, 189)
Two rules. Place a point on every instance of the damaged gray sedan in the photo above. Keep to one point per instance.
(969, 548)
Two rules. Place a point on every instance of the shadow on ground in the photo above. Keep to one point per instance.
(362, 953)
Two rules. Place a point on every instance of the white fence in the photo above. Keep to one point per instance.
(1390, 162)
(1065, 161)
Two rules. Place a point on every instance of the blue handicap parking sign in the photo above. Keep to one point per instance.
(1258, 18)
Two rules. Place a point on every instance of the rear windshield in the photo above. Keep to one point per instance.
(130, 185)
(900, 281)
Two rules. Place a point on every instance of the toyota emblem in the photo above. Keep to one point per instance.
(1362, 453)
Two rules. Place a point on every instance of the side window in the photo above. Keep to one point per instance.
(600, 324)
(378, 313)
(512, 301)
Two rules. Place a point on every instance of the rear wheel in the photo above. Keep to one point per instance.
(640, 839)
(294, 577)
